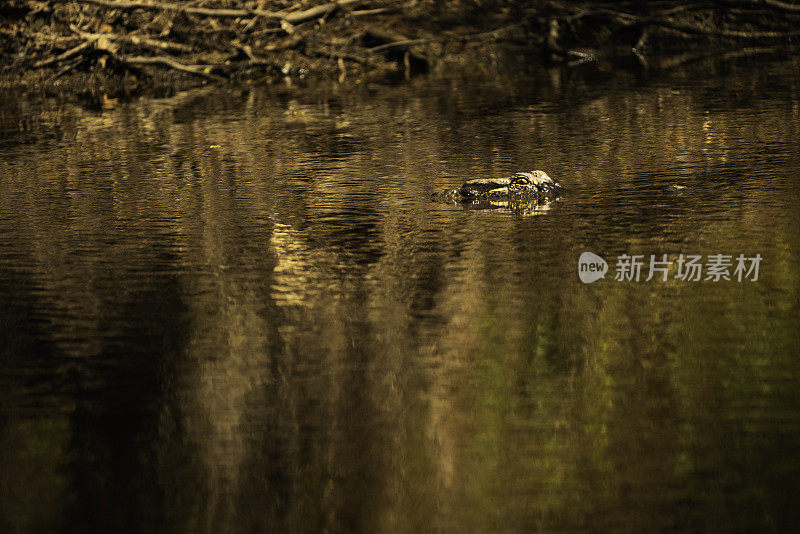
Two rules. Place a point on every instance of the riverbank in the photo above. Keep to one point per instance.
(106, 49)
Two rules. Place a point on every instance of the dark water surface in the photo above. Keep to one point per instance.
(282, 333)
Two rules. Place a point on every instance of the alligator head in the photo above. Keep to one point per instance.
(524, 190)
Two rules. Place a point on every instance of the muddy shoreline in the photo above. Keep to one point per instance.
(103, 50)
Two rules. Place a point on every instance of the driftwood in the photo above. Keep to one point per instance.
(668, 27)
(665, 22)
(396, 47)
(776, 4)
(135, 40)
(200, 55)
(240, 42)
(295, 17)
(376, 11)
(204, 71)
(72, 52)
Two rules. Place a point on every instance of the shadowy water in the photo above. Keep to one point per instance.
(237, 311)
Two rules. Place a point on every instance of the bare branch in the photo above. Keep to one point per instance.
(135, 40)
(66, 55)
(295, 17)
(198, 70)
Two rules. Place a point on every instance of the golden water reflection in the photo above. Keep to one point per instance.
(238, 311)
